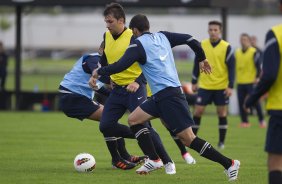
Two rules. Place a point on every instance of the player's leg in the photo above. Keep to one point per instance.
(176, 110)
(274, 148)
(135, 101)
(260, 114)
(275, 168)
(203, 99)
(120, 140)
(112, 112)
(241, 92)
(221, 102)
(258, 108)
(143, 135)
(184, 152)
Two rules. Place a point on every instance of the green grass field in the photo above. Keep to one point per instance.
(46, 74)
(40, 147)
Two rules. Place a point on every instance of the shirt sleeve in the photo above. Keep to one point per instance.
(271, 62)
(257, 63)
(132, 54)
(230, 62)
(195, 72)
(182, 39)
(90, 63)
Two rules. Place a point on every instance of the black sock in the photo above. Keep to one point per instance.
(222, 126)
(144, 139)
(206, 150)
(196, 127)
(275, 177)
(112, 147)
(118, 130)
(159, 147)
(121, 148)
(179, 144)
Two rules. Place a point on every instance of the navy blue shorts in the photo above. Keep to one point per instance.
(274, 135)
(205, 97)
(77, 106)
(172, 107)
(119, 101)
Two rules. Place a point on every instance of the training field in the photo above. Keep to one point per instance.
(39, 148)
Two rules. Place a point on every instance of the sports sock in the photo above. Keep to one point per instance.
(275, 177)
(159, 147)
(144, 139)
(196, 127)
(112, 147)
(206, 150)
(222, 128)
(118, 130)
(179, 144)
(121, 148)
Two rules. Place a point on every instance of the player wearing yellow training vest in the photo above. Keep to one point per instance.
(247, 72)
(129, 88)
(216, 87)
(271, 81)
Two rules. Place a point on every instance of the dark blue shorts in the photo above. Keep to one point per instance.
(274, 135)
(77, 106)
(205, 97)
(119, 101)
(172, 107)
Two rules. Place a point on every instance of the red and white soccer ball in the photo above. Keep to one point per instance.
(84, 162)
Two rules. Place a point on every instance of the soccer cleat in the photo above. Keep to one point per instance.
(137, 159)
(123, 164)
(220, 145)
(245, 125)
(149, 166)
(233, 170)
(262, 124)
(170, 168)
(188, 158)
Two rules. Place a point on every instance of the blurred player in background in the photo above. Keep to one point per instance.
(271, 81)
(248, 70)
(216, 87)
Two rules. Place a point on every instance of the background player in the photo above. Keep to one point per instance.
(216, 87)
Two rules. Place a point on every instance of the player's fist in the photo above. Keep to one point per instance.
(95, 73)
(93, 83)
(205, 66)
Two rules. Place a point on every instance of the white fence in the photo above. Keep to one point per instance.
(86, 30)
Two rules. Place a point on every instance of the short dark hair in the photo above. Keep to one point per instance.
(140, 22)
(246, 35)
(215, 22)
(115, 9)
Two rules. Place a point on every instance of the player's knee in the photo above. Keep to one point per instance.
(132, 120)
(104, 127)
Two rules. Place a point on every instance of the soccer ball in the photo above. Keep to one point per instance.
(84, 162)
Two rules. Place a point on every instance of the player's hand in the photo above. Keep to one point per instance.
(95, 73)
(228, 92)
(205, 67)
(92, 83)
(133, 87)
(194, 87)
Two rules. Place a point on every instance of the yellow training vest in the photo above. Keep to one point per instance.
(274, 101)
(114, 50)
(245, 66)
(216, 56)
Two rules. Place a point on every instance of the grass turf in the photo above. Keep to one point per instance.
(40, 147)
